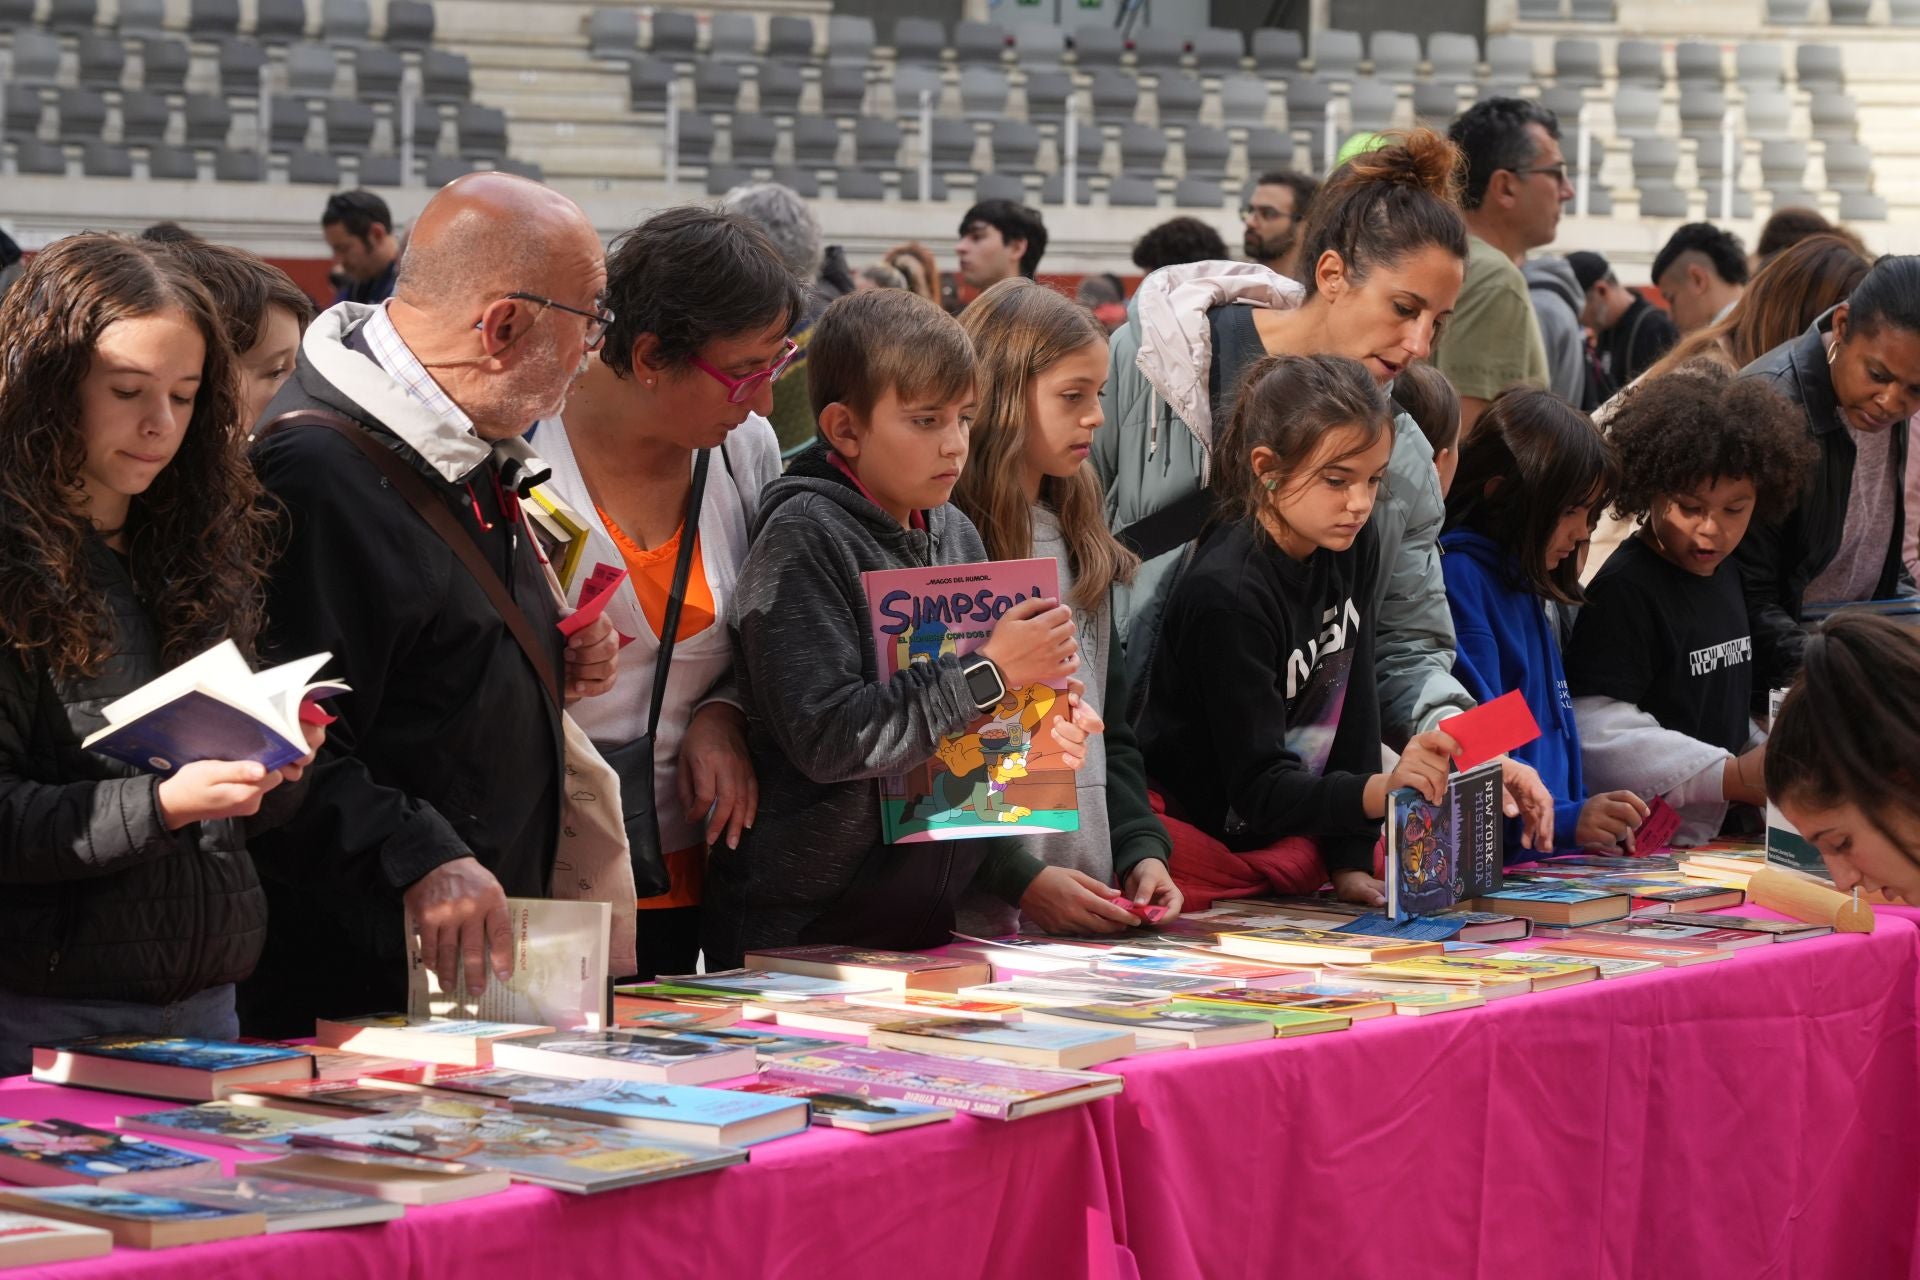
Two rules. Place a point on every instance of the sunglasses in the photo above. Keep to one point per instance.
(740, 390)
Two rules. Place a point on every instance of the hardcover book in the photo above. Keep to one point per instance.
(845, 1111)
(133, 1219)
(292, 1206)
(994, 1090)
(625, 1055)
(179, 1067)
(1002, 774)
(559, 970)
(1557, 902)
(60, 1153)
(1442, 854)
(681, 1113)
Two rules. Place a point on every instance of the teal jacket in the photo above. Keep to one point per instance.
(1155, 449)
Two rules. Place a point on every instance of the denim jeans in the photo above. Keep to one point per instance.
(29, 1020)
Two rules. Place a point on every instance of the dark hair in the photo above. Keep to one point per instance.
(1722, 248)
(1384, 204)
(1289, 404)
(1492, 135)
(1014, 221)
(1175, 241)
(1424, 394)
(691, 275)
(866, 344)
(1889, 297)
(1788, 227)
(359, 211)
(169, 232)
(1675, 433)
(1304, 187)
(242, 288)
(1845, 734)
(198, 540)
(1547, 456)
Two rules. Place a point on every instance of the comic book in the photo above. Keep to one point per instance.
(1002, 774)
(1440, 855)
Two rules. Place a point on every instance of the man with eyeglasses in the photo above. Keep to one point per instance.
(1515, 184)
(441, 790)
(1273, 215)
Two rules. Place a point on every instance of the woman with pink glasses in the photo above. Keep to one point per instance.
(658, 461)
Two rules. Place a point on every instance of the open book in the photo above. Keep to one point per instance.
(214, 707)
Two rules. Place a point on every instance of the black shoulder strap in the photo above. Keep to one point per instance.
(677, 595)
(1172, 526)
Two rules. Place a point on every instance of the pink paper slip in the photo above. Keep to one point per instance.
(594, 597)
(1656, 833)
(1491, 729)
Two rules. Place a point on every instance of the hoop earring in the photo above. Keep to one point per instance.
(1833, 353)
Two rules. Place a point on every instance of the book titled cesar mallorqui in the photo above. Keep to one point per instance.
(1439, 855)
(993, 777)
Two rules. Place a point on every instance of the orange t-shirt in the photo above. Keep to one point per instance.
(651, 573)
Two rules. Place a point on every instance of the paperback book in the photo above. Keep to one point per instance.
(1409, 999)
(888, 970)
(680, 1113)
(1670, 956)
(1778, 930)
(1026, 1042)
(1196, 1027)
(228, 1123)
(178, 1067)
(755, 983)
(994, 1090)
(845, 1111)
(1666, 933)
(559, 970)
(1251, 972)
(836, 1017)
(135, 1220)
(1291, 945)
(1352, 1008)
(29, 1241)
(333, 1099)
(1609, 966)
(942, 1004)
(764, 1044)
(1492, 978)
(60, 1153)
(1284, 1023)
(1442, 854)
(625, 1055)
(400, 1180)
(465, 1042)
(1002, 774)
(292, 1206)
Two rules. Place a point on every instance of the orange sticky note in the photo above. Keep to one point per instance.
(1491, 729)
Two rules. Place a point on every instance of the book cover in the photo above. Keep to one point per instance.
(991, 1089)
(469, 1082)
(52, 1153)
(1540, 973)
(316, 1097)
(26, 1240)
(1609, 966)
(753, 982)
(227, 1123)
(1191, 965)
(941, 1004)
(626, 1055)
(1026, 1040)
(136, 1219)
(1031, 992)
(462, 1041)
(185, 1052)
(1671, 956)
(1405, 997)
(1568, 892)
(1352, 1007)
(1288, 944)
(291, 1206)
(1440, 855)
(811, 959)
(724, 1116)
(559, 970)
(845, 1111)
(1285, 1022)
(1667, 933)
(765, 1044)
(1778, 930)
(1002, 774)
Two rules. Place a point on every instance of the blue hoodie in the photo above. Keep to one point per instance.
(1505, 638)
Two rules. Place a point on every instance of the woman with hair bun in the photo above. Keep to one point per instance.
(1383, 255)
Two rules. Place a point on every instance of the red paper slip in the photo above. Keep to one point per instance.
(1656, 833)
(601, 585)
(1491, 729)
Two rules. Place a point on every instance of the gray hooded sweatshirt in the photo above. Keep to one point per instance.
(1557, 298)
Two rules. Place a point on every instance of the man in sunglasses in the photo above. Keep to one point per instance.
(1516, 182)
(408, 560)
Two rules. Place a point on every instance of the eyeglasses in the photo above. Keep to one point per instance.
(1263, 212)
(599, 320)
(1558, 172)
(741, 390)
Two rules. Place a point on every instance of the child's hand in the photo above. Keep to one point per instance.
(1425, 764)
(1527, 798)
(1151, 884)
(316, 736)
(211, 789)
(1354, 885)
(1608, 821)
(1072, 732)
(1061, 900)
(1033, 643)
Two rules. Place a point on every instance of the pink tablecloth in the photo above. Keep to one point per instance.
(966, 1199)
(1750, 1119)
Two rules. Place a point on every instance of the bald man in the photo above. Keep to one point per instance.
(439, 790)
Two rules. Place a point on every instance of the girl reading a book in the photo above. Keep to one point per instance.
(1533, 477)
(1839, 760)
(131, 539)
(1661, 661)
(1264, 718)
(1030, 491)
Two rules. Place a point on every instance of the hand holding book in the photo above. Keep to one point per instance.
(1033, 643)
(1423, 766)
(461, 911)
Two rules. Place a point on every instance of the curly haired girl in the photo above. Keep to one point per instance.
(1661, 661)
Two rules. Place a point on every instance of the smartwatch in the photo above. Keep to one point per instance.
(984, 684)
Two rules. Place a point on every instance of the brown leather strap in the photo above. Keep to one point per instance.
(408, 483)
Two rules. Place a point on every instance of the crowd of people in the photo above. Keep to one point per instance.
(1305, 505)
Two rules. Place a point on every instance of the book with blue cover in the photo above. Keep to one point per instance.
(683, 1113)
(1442, 854)
(626, 1055)
(214, 707)
(136, 1220)
(227, 1123)
(179, 1067)
(60, 1153)
(292, 1206)
(1025, 1043)
(1558, 901)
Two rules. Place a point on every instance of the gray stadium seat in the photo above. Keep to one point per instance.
(1336, 54)
(313, 168)
(349, 124)
(1158, 48)
(241, 62)
(281, 21)
(1640, 62)
(732, 37)
(979, 42)
(613, 34)
(1243, 101)
(801, 182)
(673, 34)
(209, 120)
(1769, 114)
(910, 185)
(1207, 151)
(1789, 13)
(410, 24)
(790, 36)
(1453, 55)
(1817, 66)
(144, 116)
(1116, 96)
(1509, 59)
(1053, 189)
(292, 119)
(238, 166)
(1198, 193)
(1436, 102)
(83, 115)
(1038, 47)
(1834, 117)
(1268, 149)
(1179, 96)
(440, 170)
(696, 138)
(1277, 51)
(377, 171)
(951, 145)
(1307, 103)
(1696, 62)
(857, 184)
(1783, 163)
(1016, 146)
(1758, 66)
(1709, 158)
(1576, 63)
(211, 19)
(36, 58)
(1130, 192)
(1654, 163)
(24, 105)
(754, 138)
(1372, 103)
(1218, 50)
(850, 39)
(1565, 101)
(909, 82)
(724, 178)
(1636, 111)
(428, 124)
(1047, 93)
(164, 62)
(649, 81)
(919, 41)
(137, 17)
(843, 89)
(1541, 10)
(345, 22)
(445, 76)
(999, 186)
(1862, 206)
(876, 143)
(1849, 13)
(816, 142)
(16, 15)
(1097, 46)
(1702, 110)
(1591, 10)
(1143, 149)
(102, 60)
(311, 69)
(172, 164)
(716, 86)
(780, 85)
(30, 155)
(983, 92)
(1849, 167)
(1903, 13)
(377, 73)
(1396, 54)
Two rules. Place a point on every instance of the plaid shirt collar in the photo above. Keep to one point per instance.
(392, 353)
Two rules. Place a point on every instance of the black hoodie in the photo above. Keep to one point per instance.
(823, 729)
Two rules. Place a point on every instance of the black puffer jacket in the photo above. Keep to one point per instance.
(98, 900)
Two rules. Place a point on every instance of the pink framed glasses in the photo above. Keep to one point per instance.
(741, 390)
